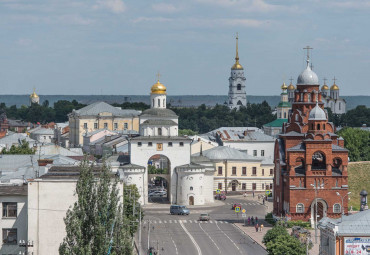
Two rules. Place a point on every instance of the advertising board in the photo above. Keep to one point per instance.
(357, 245)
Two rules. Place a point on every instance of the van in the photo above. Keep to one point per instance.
(179, 209)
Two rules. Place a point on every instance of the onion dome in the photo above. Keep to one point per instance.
(158, 88)
(34, 95)
(334, 87)
(291, 87)
(324, 87)
(284, 86)
(308, 77)
(317, 113)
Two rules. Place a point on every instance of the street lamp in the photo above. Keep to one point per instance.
(341, 217)
(25, 244)
(315, 188)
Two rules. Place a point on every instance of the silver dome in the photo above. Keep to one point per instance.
(308, 77)
(317, 113)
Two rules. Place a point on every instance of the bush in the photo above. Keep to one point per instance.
(273, 233)
(299, 223)
(285, 244)
(269, 219)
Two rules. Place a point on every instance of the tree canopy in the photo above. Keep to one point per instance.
(357, 141)
(23, 148)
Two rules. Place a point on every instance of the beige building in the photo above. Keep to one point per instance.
(100, 115)
(237, 171)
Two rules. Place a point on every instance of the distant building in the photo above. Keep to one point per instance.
(237, 91)
(331, 98)
(274, 128)
(34, 98)
(284, 106)
(42, 135)
(4, 124)
(201, 142)
(61, 134)
(100, 115)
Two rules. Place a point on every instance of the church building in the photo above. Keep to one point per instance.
(34, 98)
(310, 159)
(331, 98)
(237, 93)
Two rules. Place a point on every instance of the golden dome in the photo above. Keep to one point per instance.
(291, 86)
(284, 86)
(34, 95)
(158, 88)
(324, 87)
(237, 65)
(334, 87)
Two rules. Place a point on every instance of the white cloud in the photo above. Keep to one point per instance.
(116, 6)
(357, 4)
(151, 19)
(166, 8)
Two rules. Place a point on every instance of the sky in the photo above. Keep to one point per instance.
(116, 47)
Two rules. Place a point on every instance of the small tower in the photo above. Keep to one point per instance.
(158, 95)
(334, 90)
(284, 105)
(325, 89)
(34, 98)
(291, 89)
(237, 94)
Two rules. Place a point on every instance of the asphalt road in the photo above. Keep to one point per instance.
(185, 235)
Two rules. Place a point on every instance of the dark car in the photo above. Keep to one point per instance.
(220, 197)
(236, 205)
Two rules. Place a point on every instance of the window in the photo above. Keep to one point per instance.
(296, 117)
(267, 186)
(270, 185)
(336, 208)
(95, 125)
(300, 208)
(318, 126)
(181, 144)
(323, 126)
(44, 137)
(159, 131)
(244, 186)
(271, 171)
(9, 209)
(220, 170)
(191, 188)
(244, 170)
(49, 137)
(164, 103)
(115, 125)
(263, 172)
(263, 186)
(233, 170)
(220, 186)
(262, 153)
(153, 102)
(284, 115)
(139, 144)
(85, 125)
(150, 144)
(169, 144)
(105, 125)
(255, 153)
(254, 186)
(125, 125)
(254, 170)
(159, 103)
(239, 87)
(339, 106)
(10, 236)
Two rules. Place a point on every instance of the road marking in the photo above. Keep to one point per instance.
(160, 222)
(155, 222)
(210, 221)
(229, 238)
(183, 221)
(190, 221)
(175, 221)
(164, 221)
(170, 221)
(191, 238)
(177, 252)
(210, 238)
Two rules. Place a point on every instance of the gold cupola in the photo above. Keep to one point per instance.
(237, 65)
(291, 86)
(334, 87)
(34, 95)
(158, 88)
(284, 86)
(324, 87)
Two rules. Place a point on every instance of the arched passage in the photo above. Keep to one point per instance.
(322, 209)
(159, 167)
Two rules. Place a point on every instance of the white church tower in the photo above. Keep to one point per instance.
(237, 93)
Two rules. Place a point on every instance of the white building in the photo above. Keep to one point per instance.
(237, 91)
(187, 183)
(34, 98)
(332, 100)
(42, 135)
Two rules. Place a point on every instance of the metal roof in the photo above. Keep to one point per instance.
(100, 107)
(158, 112)
(337, 148)
(227, 153)
(241, 134)
(14, 190)
(160, 122)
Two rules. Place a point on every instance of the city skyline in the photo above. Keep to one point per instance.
(117, 47)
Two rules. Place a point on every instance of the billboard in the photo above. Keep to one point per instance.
(357, 245)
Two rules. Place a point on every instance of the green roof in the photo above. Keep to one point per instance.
(284, 104)
(276, 123)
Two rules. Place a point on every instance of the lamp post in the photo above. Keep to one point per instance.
(315, 188)
(342, 197)
(25, 244)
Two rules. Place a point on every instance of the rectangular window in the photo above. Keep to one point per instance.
(233, 170)
(263, 186)
(244, 170)
(254, 186)
(150, 144)
(262, 153)
(170, 144)
(300, 208)
(115, 125)
(85, 125)
(271, 171)
(263, 172)
(220, 186)
(220, 170)
(139, 144)
(244, 186)
(105, 125)
(10, 236)
(9, 210)
(125, 125)
(181, 144)
(254, 171)
(95, 125)
(267, 186)
(270, 185)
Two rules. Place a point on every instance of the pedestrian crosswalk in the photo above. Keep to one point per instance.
(244, 203)
(187, 221)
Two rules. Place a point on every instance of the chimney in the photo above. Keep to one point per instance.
(44, 162)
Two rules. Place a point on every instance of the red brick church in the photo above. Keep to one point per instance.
(309, 156)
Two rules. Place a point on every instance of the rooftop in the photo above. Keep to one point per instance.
(13, 190)
(276, 123)
(100, 107)
(241, 134)
(159, 113)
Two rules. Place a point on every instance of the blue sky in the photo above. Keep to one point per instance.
(118, 46)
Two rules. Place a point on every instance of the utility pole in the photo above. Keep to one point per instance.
(140, 231)
(148, 234)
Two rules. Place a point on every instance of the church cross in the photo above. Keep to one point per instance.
(334, 79)
(158, 76)
(291, 79)
(325, 80)
(308, 48)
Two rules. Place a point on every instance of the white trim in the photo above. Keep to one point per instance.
(296, 208)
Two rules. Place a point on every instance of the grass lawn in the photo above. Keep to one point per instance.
(358, 179)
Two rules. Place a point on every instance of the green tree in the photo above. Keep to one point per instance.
(357, 142)
(285, 245)
(96, 224)
(23, 148)
(132, 207)
(273, 233)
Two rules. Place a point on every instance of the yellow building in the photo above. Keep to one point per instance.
(236, 171)
(100, 115)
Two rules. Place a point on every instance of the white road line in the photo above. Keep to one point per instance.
(175, 221)
(210, 238)
(174, 244)
(160, 222)
(219, 222)
(183, 221)
(164, 221)
(229, 238)
(191, 238)
(170, 221)
(155, 222)
(210, 221)
(190, 221)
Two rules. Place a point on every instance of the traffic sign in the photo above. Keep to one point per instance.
(237, 209)
(244, 215)
(244, 211)
(217, 191)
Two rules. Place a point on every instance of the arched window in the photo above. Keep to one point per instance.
(300, 208)
(337, 162)
(323, 126)
(336, 208)
(159, 131)
(239, 87)
(318, 126)
(159, 103)
(318, 160)
(279, 114)
(153, 102)
(191, 188)
(164, 103)
(309, 97)
(284, 115)
(339, 106)
(239, 103)
(296, 117)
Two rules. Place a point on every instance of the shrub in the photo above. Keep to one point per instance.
(285, 244)
(269, 219)
(299, 223)
(273, 233)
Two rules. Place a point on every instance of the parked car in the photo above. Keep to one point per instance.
(220, 197)
(236, 205)
(204, 217)
(179, 209)
(158, 194)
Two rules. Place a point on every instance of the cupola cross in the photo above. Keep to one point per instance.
(325, 80)
(334, 79)
(158, 76)
(308, 48)
(291, 79)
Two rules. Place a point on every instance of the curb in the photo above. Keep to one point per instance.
(249, 236)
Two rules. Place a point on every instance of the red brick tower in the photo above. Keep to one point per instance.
(309, 157)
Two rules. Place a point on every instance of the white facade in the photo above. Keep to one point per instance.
(43, 135)
(332, 100)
